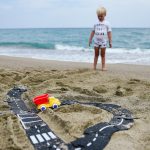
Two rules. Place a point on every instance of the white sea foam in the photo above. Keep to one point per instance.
(80, 54)
(71, 48)
(109, 50)
(128, 51)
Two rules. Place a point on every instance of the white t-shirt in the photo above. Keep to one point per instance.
(101, 29)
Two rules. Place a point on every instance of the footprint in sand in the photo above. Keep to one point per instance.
(134, 81)
(123, 91)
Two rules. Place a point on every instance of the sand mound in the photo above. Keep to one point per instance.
(69, 122)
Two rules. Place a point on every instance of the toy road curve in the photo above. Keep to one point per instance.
(43, 138)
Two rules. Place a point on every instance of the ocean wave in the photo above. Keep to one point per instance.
(60, 47)
(34, 45)
(109, 50)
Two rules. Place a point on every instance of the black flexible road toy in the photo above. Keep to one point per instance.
(43, 138)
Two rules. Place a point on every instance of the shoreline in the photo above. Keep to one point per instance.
(19, 63)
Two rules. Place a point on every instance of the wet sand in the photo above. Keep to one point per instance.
(125, 85)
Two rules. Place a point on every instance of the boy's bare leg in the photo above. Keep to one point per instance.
(96, 56)
(103, 59)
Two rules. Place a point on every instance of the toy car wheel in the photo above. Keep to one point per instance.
(43, 108)
(55, 106)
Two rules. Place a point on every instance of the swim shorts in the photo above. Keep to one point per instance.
(100, 44)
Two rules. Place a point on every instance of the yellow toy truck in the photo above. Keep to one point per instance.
(45, 101)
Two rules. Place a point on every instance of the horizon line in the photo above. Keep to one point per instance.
(70, 27)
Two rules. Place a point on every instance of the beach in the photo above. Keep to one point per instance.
(123, 84)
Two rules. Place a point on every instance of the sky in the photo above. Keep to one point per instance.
(72, 13)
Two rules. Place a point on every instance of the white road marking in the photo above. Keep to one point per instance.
(26, 113)
(105, 127)
(111, 125)
(33, 139)
(77, 149)
(40, 138)
(94, 139)
(42, 125)
(52, 135)
(120, 122)
(33, 121)
(22, 122)
(89, 144)
(46, 137)
(29, 117)
(48, 144)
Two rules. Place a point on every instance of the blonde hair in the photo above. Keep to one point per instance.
(101, 11)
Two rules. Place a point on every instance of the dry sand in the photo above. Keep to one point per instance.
(125, 85)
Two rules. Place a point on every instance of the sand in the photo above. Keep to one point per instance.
(125, 85)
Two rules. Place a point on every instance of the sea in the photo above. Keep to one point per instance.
(130, 45)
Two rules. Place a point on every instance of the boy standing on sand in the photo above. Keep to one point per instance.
(100, 32)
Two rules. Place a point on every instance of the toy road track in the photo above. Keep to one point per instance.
(43, 138)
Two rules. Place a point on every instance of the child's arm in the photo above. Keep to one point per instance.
(91, 37)
(110, 38)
